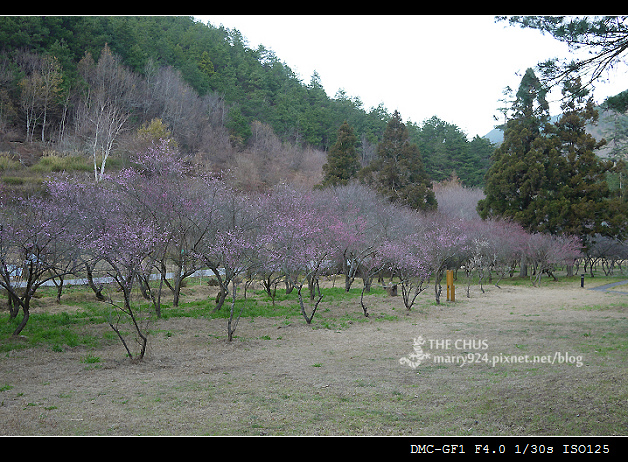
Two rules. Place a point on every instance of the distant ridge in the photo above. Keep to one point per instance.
(600, 130)
(495, 136)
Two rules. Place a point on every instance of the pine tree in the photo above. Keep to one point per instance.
(343, 162)
(397, 173)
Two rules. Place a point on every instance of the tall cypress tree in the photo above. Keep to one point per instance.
(516, 174)
(397, 173)
(577, 199)
(546, 176)
(343, 162)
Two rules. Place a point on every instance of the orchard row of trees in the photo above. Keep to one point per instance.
(375, 213)
(159, 216)
(87, 83)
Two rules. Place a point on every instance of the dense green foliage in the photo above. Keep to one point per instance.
(342, 160)
(447, 152)
(239, 85)
(514, 177)
(397, 173)
(546, 176)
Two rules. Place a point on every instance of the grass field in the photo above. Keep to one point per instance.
(537, 361)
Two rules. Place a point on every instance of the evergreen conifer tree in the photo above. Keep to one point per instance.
(546, 176)
(397, 173)
(516, 174)
(343, 162)
(577, 199)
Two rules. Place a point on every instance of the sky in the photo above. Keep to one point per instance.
(451, 67)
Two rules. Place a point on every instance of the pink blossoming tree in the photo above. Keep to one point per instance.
(37, 244)
(296, 240)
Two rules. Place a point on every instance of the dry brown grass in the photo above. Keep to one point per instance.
(342, 374)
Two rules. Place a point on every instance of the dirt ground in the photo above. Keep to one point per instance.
(283, 377)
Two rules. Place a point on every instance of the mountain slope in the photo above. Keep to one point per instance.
(603, 129)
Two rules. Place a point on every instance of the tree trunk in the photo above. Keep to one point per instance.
(26, 310)
(231, 330)
(437, 287)
(232, 324)
(523, 270)
(90, 281)
(59, 288)
(177, 286)
(308, 319)
(312, 285)
(14, 305)
(289, 286)
(366, 314)
(220, 298)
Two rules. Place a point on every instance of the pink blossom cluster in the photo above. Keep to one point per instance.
(154, 215)
(159, 214)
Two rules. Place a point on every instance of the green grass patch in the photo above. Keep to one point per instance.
(63, 330)
(602, 307)
(57, 331)
(48, 164)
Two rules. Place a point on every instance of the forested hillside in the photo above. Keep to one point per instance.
(88, 86)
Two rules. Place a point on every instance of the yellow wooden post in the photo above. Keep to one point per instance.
(451, 289)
